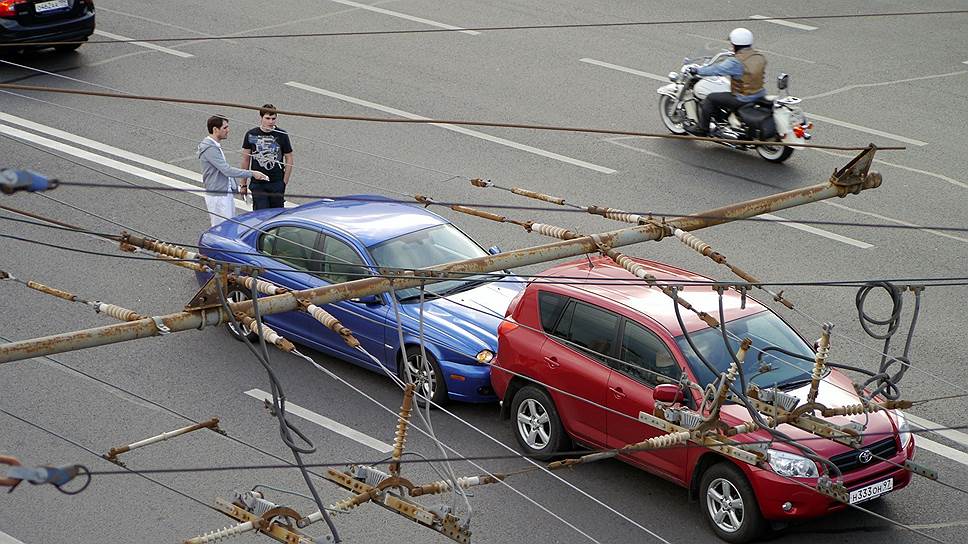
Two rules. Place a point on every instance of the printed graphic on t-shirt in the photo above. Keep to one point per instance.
(266, 151)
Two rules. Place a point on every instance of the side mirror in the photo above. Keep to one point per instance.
(494, 250)
(667, 393)
(369, 300)
(782, 81)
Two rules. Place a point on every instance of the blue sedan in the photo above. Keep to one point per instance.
(332, 241)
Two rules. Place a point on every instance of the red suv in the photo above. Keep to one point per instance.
(579, 357)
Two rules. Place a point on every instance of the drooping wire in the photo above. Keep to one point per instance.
(887, 383)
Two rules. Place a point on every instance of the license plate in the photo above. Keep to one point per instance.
(868, 492)
(52, 5)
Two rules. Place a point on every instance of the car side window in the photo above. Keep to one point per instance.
(647, 357)
(342, 262)
(588, 327)
(294, 246)
(550, 305)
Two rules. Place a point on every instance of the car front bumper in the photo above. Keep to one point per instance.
(468, 383)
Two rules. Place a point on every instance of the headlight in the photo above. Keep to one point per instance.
(788, 464)
(485, 356)
(673, 76)
(903, 428)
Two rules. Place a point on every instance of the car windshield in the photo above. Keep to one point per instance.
(430, 247)
(765, 365)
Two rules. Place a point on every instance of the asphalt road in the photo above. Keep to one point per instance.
(887, 80)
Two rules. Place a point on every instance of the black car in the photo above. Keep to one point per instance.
(26, 23)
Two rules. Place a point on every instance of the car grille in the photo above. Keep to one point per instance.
(884, 449)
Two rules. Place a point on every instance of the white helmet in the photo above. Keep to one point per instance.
(741, 37)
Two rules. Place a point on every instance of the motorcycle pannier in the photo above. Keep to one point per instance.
(759, 120)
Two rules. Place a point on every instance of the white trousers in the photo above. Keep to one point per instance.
(220, 207)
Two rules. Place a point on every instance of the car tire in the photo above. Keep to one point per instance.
(537, 427)
(435, 388)
(236, 294)
(727, 496)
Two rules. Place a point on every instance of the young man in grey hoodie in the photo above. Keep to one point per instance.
(217, 174)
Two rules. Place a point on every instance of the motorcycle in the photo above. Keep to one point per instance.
(771, 118)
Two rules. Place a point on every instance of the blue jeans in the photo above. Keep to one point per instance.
(267, 194)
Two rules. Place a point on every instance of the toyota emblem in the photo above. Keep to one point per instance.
(865, 456)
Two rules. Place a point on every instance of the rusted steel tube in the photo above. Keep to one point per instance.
(538, 196)
(274, 304)
(113, 453)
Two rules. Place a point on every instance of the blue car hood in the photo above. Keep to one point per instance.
(466, 321)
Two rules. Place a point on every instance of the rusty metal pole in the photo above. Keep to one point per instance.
(852, 179)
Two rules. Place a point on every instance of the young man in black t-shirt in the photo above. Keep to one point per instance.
(268, 150)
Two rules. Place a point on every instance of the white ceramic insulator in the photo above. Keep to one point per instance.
(223, 534)
(270, 335)
(856, 409)
(635, 268)
(465, 482)
(550, 230)
(173, 251)
(668, 440)
(619, 215)
(322, 316)
(263, 287)
(691, 241)
(117, 312)
(731, 372)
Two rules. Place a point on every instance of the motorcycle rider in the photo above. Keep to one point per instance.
(746, 69)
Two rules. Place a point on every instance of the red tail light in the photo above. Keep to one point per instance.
(8, 8)
(798, 132)
(506, 326)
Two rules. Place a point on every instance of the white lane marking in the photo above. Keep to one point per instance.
(404, 16)
(326, 422)
(7, 539)
(942, 450)
(767, 51)
(101, 160)
(783, 22)
(815, 230)
(625, 69)
(950, 434)
(883, 83)
(888, 135)
(175, 52)
(942, 177)
(104, 148)
(898, 221)
(462, 130)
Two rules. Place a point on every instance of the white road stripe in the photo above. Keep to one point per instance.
(175, 52)
(888, 135)
(326, 422)
(404, 16)
(7, 539)
(950, 434)
(462, 130)
(898, 221)
(101, 160)
(624, 69)
(783, 22)
(818, 232)
(942, 450)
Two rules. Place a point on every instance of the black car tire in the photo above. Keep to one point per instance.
(721, 485)
(547, 435)
(237, 294)
(438, 389)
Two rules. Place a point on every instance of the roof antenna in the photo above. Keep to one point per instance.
(590, 264)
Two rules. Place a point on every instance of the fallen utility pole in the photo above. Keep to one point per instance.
(851, 179)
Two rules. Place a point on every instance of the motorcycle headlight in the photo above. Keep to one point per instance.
(789, 464)
(903, 428)
(673, 76)
(485, 356)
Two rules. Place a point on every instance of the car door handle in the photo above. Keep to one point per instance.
(617, 392)
(552, 362)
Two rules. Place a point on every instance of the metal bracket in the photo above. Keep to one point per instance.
(207, 297)
(721, 444)
(921, 470)
(278, 532)
(853, 176)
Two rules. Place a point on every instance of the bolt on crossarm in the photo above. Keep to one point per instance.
(851, 180)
